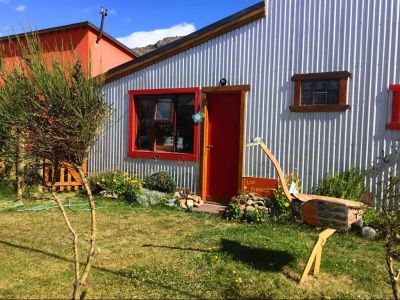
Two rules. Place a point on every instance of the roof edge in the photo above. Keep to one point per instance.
(209, 32)
(66, 27)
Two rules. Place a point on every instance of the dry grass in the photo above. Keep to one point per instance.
(161, 253)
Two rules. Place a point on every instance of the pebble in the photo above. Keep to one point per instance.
(368, 232)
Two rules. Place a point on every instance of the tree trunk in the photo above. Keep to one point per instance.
(19, 170)
(394, 278)
(74, 243)
(80, 292)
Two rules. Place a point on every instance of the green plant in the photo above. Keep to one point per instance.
(256, 216)
(150, 198)
(372, 218)
(232, 211)
(118, 183)
(349, 185)
(160, 181)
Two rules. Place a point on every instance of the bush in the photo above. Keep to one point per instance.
(373, 218)
(256, 216)
(348, 185)
(116, 183)
(150, 198)
(232, 211)
(160, 181)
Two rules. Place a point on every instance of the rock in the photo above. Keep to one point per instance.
(368, 232)
(196, 204)
(170, 204)
(189, 203)
(249, 202)
(194, 197)
(242, 206)
(201, 202)
(177, 195)
(250, 208)
(182, 203)
(259, 203)
(357, 225)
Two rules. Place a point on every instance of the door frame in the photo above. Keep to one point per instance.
(242, 89)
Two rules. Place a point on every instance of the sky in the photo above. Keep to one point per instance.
(136, 23)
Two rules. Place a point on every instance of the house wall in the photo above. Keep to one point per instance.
(105, 55)
(295, 36)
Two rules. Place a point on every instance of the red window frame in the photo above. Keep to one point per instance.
(395, 120)
(133, 152)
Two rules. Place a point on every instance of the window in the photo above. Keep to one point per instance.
(320, 92)
(161, 124)
(395, 121)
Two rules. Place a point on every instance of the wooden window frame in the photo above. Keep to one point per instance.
(163, 155)
(342, 76)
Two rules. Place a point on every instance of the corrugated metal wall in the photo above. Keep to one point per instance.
(303, 36)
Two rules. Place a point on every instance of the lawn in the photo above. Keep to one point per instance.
(163, 253)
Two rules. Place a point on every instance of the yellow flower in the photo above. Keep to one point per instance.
(239, 280)
(126, 174)
(98, 183)
(286, 204)
(102, 179)
(114, 180)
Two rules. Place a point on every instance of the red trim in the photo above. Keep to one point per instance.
(133, 152)
(395, 121)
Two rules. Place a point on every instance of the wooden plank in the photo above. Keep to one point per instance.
(241, 133)
(62, 183)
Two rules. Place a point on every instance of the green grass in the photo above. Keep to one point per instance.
(162, 253)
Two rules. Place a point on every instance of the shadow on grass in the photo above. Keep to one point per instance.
(122, 273)
(258, 258)
(176, 248)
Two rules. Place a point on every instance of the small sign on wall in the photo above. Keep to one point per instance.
(263, 187)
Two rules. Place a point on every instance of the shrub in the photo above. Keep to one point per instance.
(256, 216)
(373, 218)
(349, 185)
(160, 181)
(118, 183)
(232, 211)
(150, 198)
(280, 207)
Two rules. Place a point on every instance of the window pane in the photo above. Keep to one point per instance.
(164, 137)
(320, 92)
(144, 124)
(164, 110)
(184, 123)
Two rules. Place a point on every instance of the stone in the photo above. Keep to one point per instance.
(249, 202)
(170, 204)
(196, 204)
(201, 202)
(189, 203)
(194, 197)
(182, 203)
(177, 195)
(358, 225)
(242, 206)
(259, 203)
(250, 208)
(368, 232)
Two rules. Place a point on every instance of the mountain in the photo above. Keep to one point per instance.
(143, 50)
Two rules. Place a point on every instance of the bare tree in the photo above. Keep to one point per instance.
(58, 114)
(387, 171)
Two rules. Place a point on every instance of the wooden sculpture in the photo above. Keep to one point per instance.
(319, 211)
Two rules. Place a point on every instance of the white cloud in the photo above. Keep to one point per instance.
(144, 38)
(20, 8)
(4, 1)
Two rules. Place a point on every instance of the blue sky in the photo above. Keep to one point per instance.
(136, 22)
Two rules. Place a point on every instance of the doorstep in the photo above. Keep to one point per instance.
(210, 208)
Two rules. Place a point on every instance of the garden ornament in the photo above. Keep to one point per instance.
(315, 210)
(198, 117)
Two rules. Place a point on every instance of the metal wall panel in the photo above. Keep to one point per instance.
(295, 36)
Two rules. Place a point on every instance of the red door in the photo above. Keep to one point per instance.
(223, 146)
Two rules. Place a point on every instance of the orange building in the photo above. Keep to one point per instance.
(75, 39)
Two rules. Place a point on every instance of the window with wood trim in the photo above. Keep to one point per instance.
(320, 92)
(161, 124)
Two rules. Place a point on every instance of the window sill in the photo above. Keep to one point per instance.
(319, 108)
(393, 126)
(159, 155)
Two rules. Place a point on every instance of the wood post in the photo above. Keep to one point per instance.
(316, 254)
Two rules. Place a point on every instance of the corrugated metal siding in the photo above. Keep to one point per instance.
(302, 36)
